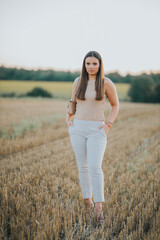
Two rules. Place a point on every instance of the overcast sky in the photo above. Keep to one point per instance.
(58, 33)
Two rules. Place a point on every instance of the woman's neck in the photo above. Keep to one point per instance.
(92, 77)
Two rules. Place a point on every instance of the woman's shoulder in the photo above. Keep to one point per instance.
(76, 81)
(108, 83)
(107, 80)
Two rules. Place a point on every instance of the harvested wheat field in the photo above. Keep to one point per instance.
(40, 193)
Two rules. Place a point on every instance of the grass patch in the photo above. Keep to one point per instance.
(60, 90)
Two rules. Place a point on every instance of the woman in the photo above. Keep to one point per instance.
(88, 130)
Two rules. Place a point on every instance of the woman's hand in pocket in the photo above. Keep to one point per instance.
(106, 128)
(69, 118)
(69, 123)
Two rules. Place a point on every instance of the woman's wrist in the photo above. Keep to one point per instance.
(108, 123)
(69, 117)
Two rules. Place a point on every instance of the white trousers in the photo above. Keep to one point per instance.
(89, 145)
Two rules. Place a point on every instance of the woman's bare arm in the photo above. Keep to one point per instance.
(113, 99)
(69, 115)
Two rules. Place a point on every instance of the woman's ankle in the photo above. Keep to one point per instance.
(98, 206)
(88, 202)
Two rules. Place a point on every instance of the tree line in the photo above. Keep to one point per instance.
(62, 76)
(143, 87)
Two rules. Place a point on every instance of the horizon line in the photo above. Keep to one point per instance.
(78, 70)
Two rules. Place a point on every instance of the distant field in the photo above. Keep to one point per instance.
(58, 89)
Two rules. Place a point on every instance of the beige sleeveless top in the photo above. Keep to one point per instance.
(90, 109)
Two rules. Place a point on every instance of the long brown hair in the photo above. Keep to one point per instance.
(83, 82)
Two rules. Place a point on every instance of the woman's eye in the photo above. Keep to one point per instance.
(93, 63)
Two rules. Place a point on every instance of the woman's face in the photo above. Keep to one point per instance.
(92, 65)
